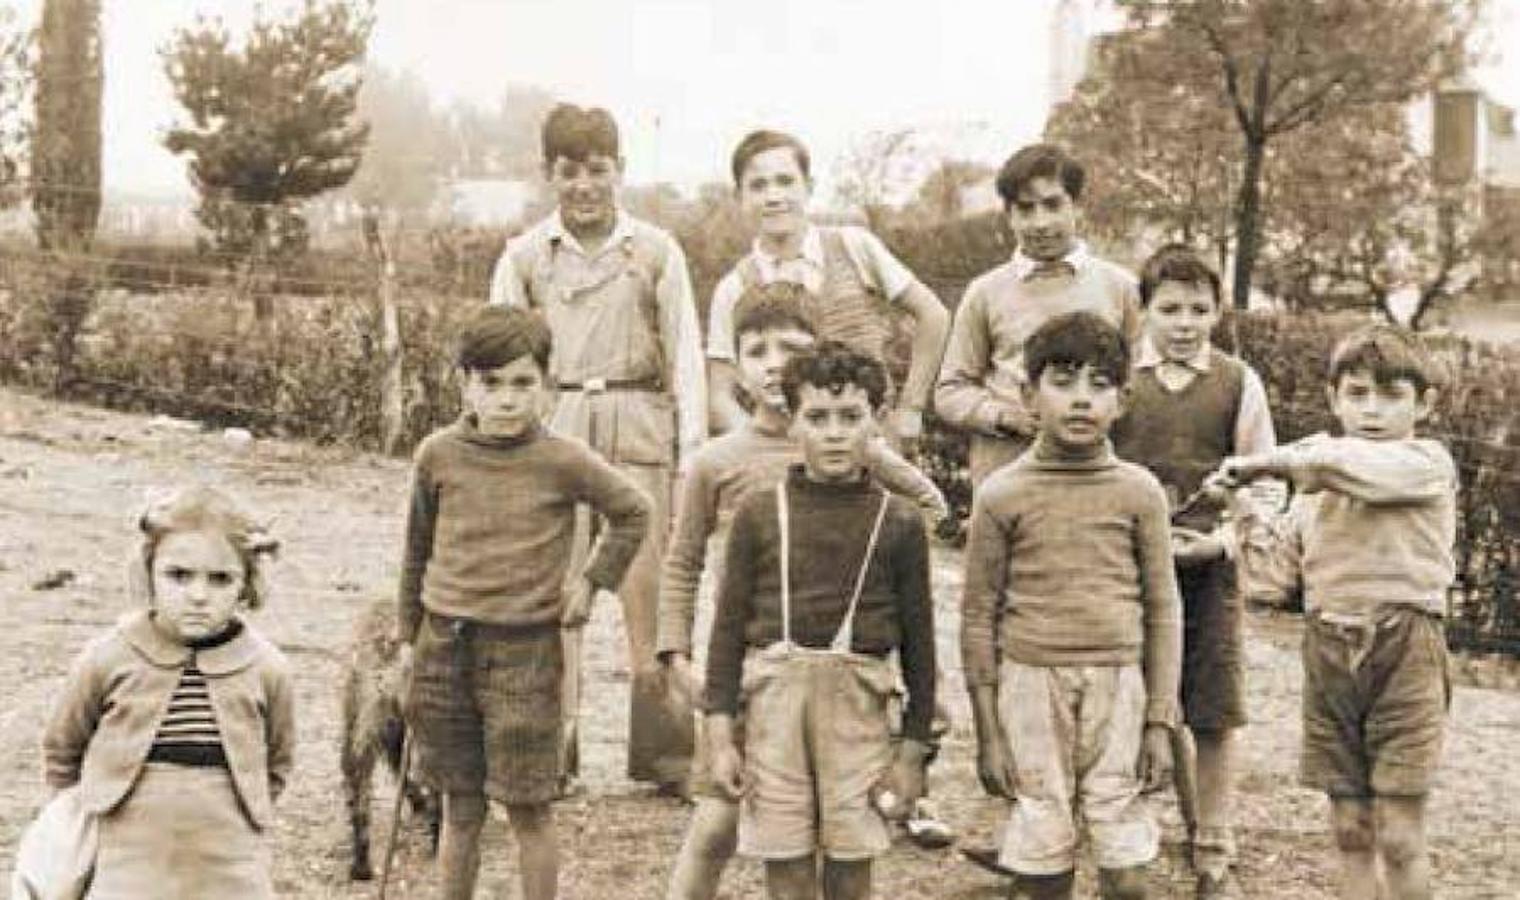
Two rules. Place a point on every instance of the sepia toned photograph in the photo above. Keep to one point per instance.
(790, 449)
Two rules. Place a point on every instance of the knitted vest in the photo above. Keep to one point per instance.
(848, 309)
(1182, 436)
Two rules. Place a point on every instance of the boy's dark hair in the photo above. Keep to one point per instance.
(779, 304)
(757, 142)
(1179, 263)
(1386, 352)
(496, 335)
(1077, 339)
(579, 134)
(1039, 161)
(833, 366)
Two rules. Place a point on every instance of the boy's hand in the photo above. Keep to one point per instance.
(994, 765)
(1016, 421)
(1155, 758)
(681, 673)
(577, 609)
(727, 761)
(899, 789)
(1237, 471)
(1191, 547)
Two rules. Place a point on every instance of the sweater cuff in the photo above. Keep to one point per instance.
(1161, 711)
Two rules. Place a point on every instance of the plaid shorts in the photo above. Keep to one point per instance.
(484, 707)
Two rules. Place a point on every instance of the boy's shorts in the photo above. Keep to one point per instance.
(484, 709)
(817, 739)
(1374, 725)
(1075, 733)
(1213, 667)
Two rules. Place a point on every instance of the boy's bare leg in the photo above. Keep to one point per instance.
(459, 844)
(1399, 827)
(537, 850)
(1215, 787)
(1185, 777)
(792, 879)
(1355, 839)
(1122, 884)
(846, 879)
(710, 842)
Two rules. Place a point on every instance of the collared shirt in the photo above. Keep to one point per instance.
(983, 369)
(875, 264)
(1254, 432)
(680, 330)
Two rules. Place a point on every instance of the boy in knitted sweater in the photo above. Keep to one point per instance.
(1368, 539)
(823, 578)
(1071, 625)
(484, 595)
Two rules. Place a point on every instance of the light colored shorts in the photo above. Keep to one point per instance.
(817, 739)
(1075, 732)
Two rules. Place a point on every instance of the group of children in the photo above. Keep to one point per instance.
(1113, 533)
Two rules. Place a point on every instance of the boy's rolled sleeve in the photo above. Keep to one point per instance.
(615, 497)
(681, 571)
(421, 522)
(1162, 617)
(915, 604)
(985, 594)
(726, 645)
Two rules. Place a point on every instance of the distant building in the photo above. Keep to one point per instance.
(1475, 151)
(1068, 49)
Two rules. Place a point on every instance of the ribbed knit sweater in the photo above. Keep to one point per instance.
(1069, 562)
(489, 530)
(830, 525)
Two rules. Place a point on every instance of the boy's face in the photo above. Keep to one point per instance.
(833, 429)
(1386, 411)
(1180, 319)
(773, 192)
(1044, 220)
(197, 583)
(1075, 406)
(762, 355)
(586, 190)
(506, 400)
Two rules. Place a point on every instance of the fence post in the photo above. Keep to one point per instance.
(392, 386)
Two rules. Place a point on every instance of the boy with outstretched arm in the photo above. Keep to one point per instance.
(1052, 272)
(824, 577)
(1190, 405)
(1071, 625)
(484, 593)
(771, 326)
(1368, 538)
(857, 284)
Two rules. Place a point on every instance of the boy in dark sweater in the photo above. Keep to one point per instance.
(1190, 407)
(1070, 625)
(823, 578)
(483, 594)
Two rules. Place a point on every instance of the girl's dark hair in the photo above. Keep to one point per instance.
(1077, 339)
(757, 142)
(579, 134)
(1039, 161)
(1179, 263)
(495, 335)
(834, 366)
(779, 304)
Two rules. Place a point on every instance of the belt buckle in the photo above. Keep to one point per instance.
(594, 386)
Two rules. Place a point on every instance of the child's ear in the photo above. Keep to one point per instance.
(1426, 404)
(1125, 393)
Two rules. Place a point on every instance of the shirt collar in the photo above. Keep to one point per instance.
(157, 648)
(769, 263)
(622, 230)
(1077, 258)
(1147, 356)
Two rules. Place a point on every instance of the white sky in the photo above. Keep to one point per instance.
(685, 78)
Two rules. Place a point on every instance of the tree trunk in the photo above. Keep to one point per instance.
(1248, 220)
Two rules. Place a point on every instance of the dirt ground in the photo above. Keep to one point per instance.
(71, 479)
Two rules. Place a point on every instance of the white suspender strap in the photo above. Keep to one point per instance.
(844, 638)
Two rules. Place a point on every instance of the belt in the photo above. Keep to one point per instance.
(459, 629)
(603, 385)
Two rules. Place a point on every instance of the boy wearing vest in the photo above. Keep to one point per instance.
(1368, 538)
(627, 366)
(1071, 632)
(771, 326)
(484, 593)
(1190, 406)
(1050, 273)
(857, 281)
(824, 577)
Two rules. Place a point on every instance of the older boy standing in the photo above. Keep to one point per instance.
(627, 365)
(856, 279)
(1051, 273)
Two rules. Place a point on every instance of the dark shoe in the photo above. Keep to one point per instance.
(987, 858)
